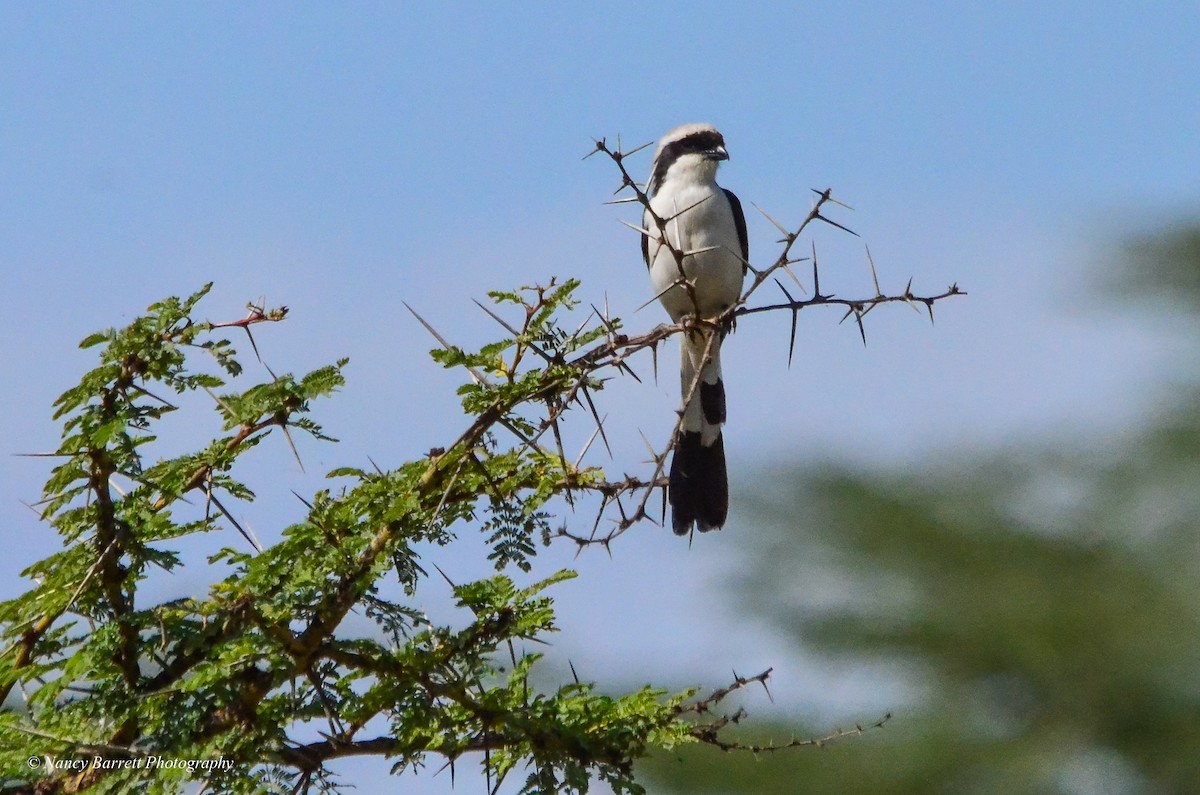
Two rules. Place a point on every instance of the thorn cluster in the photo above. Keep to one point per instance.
(709, 732)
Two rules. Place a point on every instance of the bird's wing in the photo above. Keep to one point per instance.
(739, 219)
(645, 244)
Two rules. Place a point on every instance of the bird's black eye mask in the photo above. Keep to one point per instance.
(703, 141)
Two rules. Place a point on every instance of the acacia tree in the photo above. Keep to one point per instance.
(258, 684)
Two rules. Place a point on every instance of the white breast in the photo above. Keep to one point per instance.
(708, 224)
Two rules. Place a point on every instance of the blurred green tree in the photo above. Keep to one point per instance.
(1040, 605)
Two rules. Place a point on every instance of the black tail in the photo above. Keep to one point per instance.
(699, 487)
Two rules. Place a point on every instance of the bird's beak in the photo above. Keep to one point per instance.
(717, 153)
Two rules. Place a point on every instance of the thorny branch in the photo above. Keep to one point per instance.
(256, 313)
(709, 732)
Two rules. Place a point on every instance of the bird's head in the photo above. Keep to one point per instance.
(690, 152)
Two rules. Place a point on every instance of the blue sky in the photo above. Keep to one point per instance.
(343, 158)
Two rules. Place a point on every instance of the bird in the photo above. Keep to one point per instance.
(696, 273)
